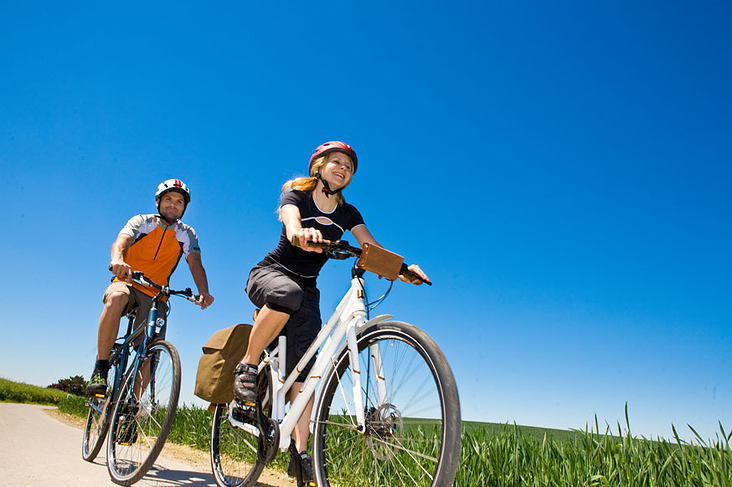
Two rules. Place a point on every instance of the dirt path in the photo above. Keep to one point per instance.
(42, 446)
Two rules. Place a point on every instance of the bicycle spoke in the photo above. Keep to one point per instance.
(143, 414)
(235, 451)
(404, 440)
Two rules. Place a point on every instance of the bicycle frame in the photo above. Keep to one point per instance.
(122, 349)
(150, 329)
(347, 319)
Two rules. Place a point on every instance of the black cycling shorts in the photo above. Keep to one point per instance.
(270, 284)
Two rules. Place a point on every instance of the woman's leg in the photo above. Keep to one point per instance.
(302, 429)
(267, 326)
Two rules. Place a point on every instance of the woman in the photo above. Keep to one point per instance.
(283, 285)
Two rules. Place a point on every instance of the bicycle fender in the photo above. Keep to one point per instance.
(373, 321)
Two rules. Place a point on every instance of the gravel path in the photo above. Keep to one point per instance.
(38, 448)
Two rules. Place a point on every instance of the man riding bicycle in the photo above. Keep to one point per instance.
(153, 244)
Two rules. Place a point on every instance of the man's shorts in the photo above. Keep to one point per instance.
(140, 302)
(269, 284)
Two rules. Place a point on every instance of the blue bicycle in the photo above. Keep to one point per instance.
(136, 413)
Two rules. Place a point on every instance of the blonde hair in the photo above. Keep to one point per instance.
(309, 183)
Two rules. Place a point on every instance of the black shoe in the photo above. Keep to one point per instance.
(245, 391)
(306, 468)
(97, 385)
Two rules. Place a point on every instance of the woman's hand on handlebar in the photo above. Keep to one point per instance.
(422, 277)
(121, 269)
(306, 235)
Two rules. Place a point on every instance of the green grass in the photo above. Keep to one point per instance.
(520, 457)
(502, 455)
(24, 393)
(502, 429)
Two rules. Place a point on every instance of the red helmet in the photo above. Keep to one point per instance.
(334, 146)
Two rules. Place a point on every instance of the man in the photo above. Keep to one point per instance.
(152, 244)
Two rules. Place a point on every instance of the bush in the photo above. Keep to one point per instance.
(73, 385)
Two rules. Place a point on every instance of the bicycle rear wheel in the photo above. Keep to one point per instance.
(410, 438)
(233, 452)
(97, 421)
(143, 414)
(235, 456)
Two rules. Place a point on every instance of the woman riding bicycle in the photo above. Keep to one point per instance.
(283, 285)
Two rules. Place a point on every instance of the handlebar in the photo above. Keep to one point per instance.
(341, 249)
(140, 278)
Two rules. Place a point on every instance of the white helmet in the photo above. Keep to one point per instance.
(173, 185)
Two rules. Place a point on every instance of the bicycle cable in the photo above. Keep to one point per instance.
(377, 302)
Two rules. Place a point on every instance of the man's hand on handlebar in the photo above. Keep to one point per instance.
(122, 270)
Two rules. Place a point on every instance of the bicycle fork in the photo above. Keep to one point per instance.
(357, 376)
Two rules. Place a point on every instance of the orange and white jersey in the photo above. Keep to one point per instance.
(157, 247)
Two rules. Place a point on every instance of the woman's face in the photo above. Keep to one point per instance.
(337, 170)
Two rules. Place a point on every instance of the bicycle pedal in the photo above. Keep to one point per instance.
(100, 396)
(241, 415)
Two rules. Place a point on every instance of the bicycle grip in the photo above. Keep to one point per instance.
(413, 275)
(135, 274)
(324, 244)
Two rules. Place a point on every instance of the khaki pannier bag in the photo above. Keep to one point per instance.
(221, 353)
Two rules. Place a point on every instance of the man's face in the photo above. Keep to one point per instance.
(172, 205)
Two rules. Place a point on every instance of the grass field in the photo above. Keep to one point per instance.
(509, 455)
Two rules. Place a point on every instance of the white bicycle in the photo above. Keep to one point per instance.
(386, 412)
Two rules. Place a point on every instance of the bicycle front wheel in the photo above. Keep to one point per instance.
(412, 428)
(143, 414)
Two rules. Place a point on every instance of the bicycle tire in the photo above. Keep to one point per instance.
(97, 421)
(413, 438)
(235, 457)
(139, 427)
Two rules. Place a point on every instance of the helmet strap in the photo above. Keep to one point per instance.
(326, 187)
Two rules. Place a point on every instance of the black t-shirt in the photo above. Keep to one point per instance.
(332, 225)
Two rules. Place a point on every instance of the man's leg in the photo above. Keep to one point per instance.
(114, 306)
(109, 323)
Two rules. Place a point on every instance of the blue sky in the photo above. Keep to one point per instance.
(561, 171)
